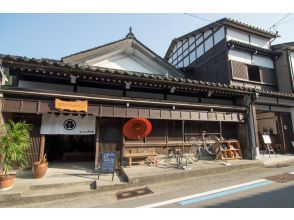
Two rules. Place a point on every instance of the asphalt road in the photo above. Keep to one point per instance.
(264, 194)
(261, 193)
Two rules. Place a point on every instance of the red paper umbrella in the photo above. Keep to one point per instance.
(137, 128)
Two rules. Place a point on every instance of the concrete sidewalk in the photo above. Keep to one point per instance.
(271, 160)
(61, 180)
(65, 180)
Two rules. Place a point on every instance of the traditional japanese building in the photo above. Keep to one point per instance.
(79, 104)
(237, 54)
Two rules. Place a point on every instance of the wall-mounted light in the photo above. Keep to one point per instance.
(128, 104)
(73, 79)
(174, 107)
(211, 110)
(172, 89)
(128, 85)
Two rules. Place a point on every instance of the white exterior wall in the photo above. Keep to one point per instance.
(263, 61)
(244, 38)
(237, 36)
(240, 56)
(259, 42)
(219, 35)
(125, 63)
(245, 57)
(292, 62)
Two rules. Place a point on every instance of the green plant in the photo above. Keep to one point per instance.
(14, 145)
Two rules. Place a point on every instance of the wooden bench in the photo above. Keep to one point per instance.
(138, 155)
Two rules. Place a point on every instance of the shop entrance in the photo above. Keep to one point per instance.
(70, 148)
(279, 127)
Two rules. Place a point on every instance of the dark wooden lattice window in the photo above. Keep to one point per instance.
(239, 70)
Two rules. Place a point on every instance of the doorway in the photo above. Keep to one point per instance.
(69, 148)
(278, 125)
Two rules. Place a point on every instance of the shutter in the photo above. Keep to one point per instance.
(239, 70)
(267, 75)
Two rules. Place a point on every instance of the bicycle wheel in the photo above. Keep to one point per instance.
(195, 152)
(210, 144)
(210, 148)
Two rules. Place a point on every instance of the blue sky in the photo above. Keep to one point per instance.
(58, 35)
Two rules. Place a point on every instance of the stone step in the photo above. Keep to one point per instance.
(60, 185)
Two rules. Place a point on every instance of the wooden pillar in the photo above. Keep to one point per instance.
(253, 132)
(255, 125)
(97, 144)
(42, 146)
(183, 134)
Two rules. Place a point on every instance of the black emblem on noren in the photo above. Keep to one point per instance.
(69, 124)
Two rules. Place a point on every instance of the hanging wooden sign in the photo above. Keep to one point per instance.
(71, 105)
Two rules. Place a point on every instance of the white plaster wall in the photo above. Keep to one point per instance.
(129, 63)
(292, 61)
(219, 35)
(240, 56)
(259, 42)
(237, 36)
(263, 61)
(245, 57)
(244, 38)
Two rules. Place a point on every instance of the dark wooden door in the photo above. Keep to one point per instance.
(110, 134)
(288, 131)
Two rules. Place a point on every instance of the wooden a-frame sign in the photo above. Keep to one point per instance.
(107, 164)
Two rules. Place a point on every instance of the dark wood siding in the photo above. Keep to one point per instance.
(268, 75)
(34, 149)
(158, 131)
(212, 65)
(110, 134)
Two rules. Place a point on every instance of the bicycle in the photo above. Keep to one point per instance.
(202, 143)
(181, 161)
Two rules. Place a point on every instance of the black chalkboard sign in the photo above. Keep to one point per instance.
(107, 164)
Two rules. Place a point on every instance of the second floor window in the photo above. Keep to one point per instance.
(253, 73)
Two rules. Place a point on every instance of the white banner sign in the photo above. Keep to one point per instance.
(68, 124)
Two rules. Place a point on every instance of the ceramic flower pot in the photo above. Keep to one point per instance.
(39, 169)
(6, 182)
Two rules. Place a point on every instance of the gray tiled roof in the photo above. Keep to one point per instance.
(248, 46)
(160, 78)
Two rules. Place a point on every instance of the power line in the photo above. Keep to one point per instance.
(287, 21)
(275, 25)
(195, 16)
(278, 22)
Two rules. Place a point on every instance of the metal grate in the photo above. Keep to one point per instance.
(281, 178)
(133, 193)
(278, 166)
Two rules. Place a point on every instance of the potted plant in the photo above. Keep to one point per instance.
(40, 167)
(13, 151)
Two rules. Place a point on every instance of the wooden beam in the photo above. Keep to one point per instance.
(255, 125)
